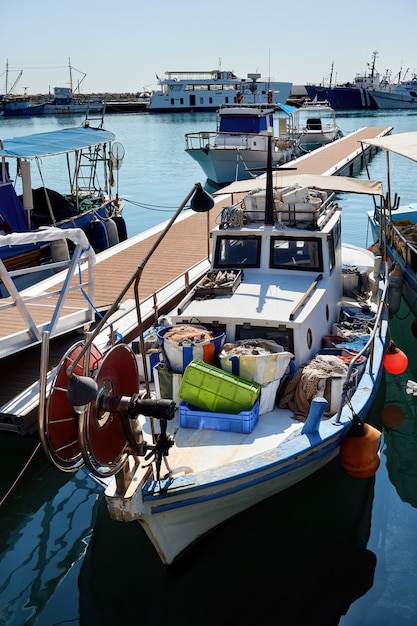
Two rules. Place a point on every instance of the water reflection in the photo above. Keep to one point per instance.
(300, 556)
(399, 414)
(41, 532)
(399, 417)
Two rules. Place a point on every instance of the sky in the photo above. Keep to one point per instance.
(122, 45)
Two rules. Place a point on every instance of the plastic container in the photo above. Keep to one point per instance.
(262, 368)
(210, 388)
(167, 383)
(179, 356)
(346, 356)
(243, 422)
(268, 397)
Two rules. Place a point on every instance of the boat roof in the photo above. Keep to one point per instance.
(343, 184)
(286, 108)
(404, 144)
(258, 110)
(54, 142)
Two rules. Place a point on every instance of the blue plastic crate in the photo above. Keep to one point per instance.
(244, 422)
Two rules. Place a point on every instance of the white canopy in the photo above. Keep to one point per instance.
(404, 144)
(313, 181)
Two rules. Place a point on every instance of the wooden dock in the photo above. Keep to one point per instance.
(117, 265)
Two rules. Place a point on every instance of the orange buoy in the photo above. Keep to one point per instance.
(359, 450)
(395, 360)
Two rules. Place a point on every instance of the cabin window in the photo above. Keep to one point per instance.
(282, 336)
(240, 124)
(330, 245)
(333, 241)
(295, 253)
(238, 251)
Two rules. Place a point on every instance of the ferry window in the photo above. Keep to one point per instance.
(238, 251)
(282, 336)
(294, 253)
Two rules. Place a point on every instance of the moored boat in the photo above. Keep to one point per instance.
(402, 95)
(64, 102)
(209, 90)
(351, 95)
(394, 226)
(88, 157)
(316, 125)
(239, 434)
(238, 148)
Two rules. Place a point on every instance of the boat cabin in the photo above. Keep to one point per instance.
(245, 120)
(290, 270)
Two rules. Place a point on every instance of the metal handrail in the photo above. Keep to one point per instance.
(369, 344)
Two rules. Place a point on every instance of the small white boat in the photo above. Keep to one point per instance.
(220, 430)
(395, 226)
(238, 149)
(316, 125)
(209, 90)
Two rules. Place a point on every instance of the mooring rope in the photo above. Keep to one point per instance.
(13, 485)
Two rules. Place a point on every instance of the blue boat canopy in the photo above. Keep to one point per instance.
(54, 142)
(286, 108)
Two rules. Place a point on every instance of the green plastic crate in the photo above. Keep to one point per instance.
(212, 389)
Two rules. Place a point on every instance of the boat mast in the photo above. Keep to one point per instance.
(269, 198)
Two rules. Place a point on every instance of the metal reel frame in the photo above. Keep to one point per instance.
(105, 437)
(58, 423)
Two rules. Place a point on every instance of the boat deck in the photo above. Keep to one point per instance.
(117, 265)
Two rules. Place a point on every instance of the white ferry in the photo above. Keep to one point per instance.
(207, 91)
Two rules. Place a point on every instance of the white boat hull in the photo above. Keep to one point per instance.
(190, 509)
(230, 164)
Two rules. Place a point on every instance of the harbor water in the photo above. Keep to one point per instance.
(331, 550)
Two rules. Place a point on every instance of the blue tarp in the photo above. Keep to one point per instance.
(54, 142)
(11, 209)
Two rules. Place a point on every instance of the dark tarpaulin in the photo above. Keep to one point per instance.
(12, 211)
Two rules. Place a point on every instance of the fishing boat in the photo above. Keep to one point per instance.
(70, 100)
(18, 106)
(89, 158)
(209, 90)
(316, 125)
(401, 95)
(234, 413)
(64, 102)
(351, 95)
(395, 226)
(238, 148)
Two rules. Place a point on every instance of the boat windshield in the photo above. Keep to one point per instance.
(244, 124)
(238, 251)
(296, 253)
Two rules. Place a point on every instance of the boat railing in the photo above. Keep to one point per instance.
(200, 140)
(41, 306)
(368, 348)
(403, 245)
